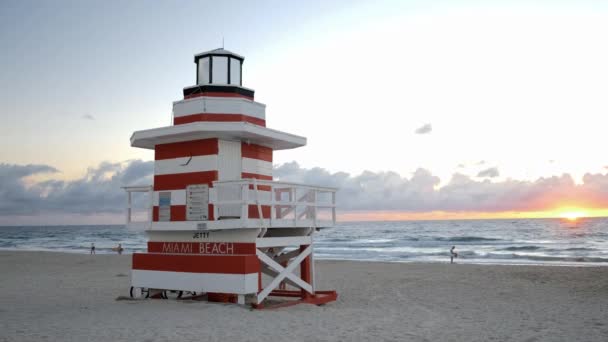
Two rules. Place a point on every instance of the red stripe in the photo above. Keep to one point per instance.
(178, 213)
(202, 147)
(217, 95)
(155, 213)
(207, 248)
(253, 211)
(256, 152)
(182, 180)
(256, 176)
(231, 264)
(180, 120)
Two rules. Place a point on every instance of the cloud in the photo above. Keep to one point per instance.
(421, 192)
(99, 192)
(425, 129)
(14, 196)
(88, 117)
(491, 173)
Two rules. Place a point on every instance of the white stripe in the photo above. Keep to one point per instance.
(218, 105)
(185, 165)
(232, 235)
(199, 282)
(178, 197)
(263, 196)
(257, 166)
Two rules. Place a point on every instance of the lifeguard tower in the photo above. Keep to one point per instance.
(218, 224)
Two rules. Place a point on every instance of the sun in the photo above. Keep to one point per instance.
(572, 215)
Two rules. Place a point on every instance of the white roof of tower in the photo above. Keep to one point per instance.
(219, 51)
(242, 131)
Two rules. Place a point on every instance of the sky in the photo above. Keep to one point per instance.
(415, 109)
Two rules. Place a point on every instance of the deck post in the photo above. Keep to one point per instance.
(305, 272)
(292, 197)
(150, 205)
(128, 207)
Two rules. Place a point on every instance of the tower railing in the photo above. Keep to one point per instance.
(275, 203)
(131, 222)
(246, 203)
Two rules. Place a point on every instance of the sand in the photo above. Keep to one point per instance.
(72, 297)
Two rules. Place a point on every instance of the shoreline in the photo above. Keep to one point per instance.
(459, 262)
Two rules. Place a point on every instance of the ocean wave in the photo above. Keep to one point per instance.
(466, 239)
(580, 249)
(538, 257)
(521, 248)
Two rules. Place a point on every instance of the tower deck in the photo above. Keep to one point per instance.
(280, 204)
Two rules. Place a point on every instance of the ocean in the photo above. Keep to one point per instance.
(583, 242)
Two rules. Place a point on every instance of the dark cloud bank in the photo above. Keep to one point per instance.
(99, 191)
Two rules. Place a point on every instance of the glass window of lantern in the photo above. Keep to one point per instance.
(203, 70)
(235, 71)
(220, 70)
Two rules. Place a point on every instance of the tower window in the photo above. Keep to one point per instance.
(235, 71)
(203, 71)
(220, 70)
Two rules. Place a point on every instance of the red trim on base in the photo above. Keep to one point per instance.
(222, 297)
(190, 263)
(319, 298)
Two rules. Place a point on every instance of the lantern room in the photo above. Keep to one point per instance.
(220, 67)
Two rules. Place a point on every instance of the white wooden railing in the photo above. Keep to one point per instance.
(290, 204)
(273, 204)
(130, 222)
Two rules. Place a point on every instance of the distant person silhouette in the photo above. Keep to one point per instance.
(453, 254)
(92, 248)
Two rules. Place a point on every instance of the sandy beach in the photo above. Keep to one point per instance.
(72, 297)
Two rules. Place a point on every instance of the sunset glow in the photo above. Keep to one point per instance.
(573, 215)
(563, 213)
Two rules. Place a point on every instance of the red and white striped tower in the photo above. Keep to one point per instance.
(218, 222)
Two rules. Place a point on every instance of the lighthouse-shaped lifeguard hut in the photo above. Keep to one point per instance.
(218, 224)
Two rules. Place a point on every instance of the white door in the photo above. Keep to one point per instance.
(229, 168)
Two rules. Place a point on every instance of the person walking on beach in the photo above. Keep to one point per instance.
(92, 248)
(453, 254)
